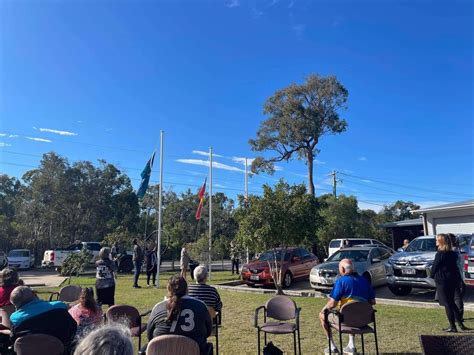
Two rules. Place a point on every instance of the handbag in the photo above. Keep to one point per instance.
(271, 349)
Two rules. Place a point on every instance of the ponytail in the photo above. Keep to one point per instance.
(177, 288)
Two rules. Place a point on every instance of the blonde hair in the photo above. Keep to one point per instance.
(444, 242)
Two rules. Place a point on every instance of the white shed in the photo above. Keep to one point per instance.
(457, 218)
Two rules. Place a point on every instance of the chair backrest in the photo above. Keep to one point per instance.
(172, 345)
(123, 313)
(5, 313)
(357, 314)
(447, 344)
(70, 293)
(281, 308)
(38, 344)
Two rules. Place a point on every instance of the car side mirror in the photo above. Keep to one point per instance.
(295, 259)
(376, 260)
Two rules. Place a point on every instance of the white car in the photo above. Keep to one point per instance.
(55, 258)
(21, 259)
(336, 244)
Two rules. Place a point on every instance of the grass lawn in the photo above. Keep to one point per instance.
(398, 327)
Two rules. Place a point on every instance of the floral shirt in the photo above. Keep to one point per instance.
(84, 317)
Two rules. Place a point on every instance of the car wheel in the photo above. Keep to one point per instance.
(399, 290)
(287, 280)
(367, 276)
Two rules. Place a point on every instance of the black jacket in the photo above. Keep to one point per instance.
(445, 268)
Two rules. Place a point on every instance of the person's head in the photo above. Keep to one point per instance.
(87, 299)
(110, 339)
(104, 253)
(200, 274)
(453, 240)
(22, 295)
(346, 267)
(135, 242)
(177, 288)
(406, 242)
(8, 277)
(443, 242)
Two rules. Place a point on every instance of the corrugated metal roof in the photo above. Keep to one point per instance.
(448, 206)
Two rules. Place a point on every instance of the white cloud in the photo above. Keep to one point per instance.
(319, 162)
(241, 160)
(206, 154)
(299, 29)
(426, 204)
(369, 206)
(278, 168)
(362, 158)
(368, 181)
(220, 186)
(2, 144)
(13, 136)
(215, 164)
(3, 134)
(256, 13)
(39, 139)
(79, 121)
(232, 3)
(297, 174)
(55, 131)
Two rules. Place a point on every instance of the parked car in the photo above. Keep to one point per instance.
(336, 244)
(3, 260)
(466, 246)
(21, 259)
(369, 261)
(55, 258)
(297, 264)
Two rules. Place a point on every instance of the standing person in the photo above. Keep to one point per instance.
(105, 278)
(234, 257)
(461, 289)
(86, 313)
(446, 275)
(151, 265)
(184, 261)
(137, 262)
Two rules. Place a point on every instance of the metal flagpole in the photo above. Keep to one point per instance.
(210, 212)
(246, 196)
(160, 197)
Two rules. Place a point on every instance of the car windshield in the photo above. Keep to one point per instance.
(335, 244)
(270, 256)
(422, 245)
(354, 255)
(18, 254)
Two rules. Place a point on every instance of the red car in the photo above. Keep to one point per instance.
(297, 264)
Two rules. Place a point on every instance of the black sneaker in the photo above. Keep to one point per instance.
(136, 286)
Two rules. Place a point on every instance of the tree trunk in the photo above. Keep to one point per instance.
(310, 162)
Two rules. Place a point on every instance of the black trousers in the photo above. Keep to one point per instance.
(446, 298)
(459, 298)
(235, 265)
(151, 273)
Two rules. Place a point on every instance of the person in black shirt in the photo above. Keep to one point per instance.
(151, 265)
(447, 277)
(181, 315)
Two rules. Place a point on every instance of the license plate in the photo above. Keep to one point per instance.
(470, 269)
(408, 271)
(254, 277)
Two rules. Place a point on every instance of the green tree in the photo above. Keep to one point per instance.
(398, 211)
(298, 116)
(283, 216)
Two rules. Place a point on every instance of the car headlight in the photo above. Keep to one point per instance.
(245, 269)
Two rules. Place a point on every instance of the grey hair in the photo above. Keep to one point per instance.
(200, 274)
(104, 253)
(22, 295)
(114, 339)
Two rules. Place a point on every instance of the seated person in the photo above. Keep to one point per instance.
(8, 281)
(203, 292)
(349, 288)
(86, 313)
(181, 315)
(110, 339)
(35, 316)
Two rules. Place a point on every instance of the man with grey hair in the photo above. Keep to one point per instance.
(350, 287)
(203, 292)
(35, 316)
(110, 339)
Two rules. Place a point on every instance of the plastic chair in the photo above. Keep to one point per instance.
(38, 344)
(67, 294)
(447, 344)
(172, 345)
(353, 318)
(133, 319)
(280, 308)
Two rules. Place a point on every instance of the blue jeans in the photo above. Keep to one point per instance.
(136, 274)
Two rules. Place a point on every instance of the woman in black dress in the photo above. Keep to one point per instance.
(105, 278)
(447, 277)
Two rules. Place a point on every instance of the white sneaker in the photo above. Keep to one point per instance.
(348, 350)
(333, 351)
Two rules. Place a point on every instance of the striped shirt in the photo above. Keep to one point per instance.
(207, 294)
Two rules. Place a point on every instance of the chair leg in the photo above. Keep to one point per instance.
(139, 341)
(362, 339)
(258, 341)
(294, 342)
(217, 339)
(299, 342)
(340, 342)
(376, 344)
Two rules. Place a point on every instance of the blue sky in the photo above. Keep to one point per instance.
(99, 79)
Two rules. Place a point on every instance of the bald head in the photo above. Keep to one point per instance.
(346, 267)
(22, 295)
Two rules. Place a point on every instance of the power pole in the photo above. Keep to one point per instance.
(246, 198)
(334, 183)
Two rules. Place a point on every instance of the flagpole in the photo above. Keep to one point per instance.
(160, 198)
(210, 212)
(246, 196)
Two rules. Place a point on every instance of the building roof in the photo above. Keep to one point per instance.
(404, 223)
(449, 206)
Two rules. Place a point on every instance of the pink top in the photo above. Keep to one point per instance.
(5, 292)
(84, 317)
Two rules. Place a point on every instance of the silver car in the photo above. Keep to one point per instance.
(368, 262)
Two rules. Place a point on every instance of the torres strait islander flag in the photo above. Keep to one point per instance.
(201, 193)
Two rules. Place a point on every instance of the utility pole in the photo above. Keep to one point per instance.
(246, 196)
(210, 212)
(160, 211)
(334, 183)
